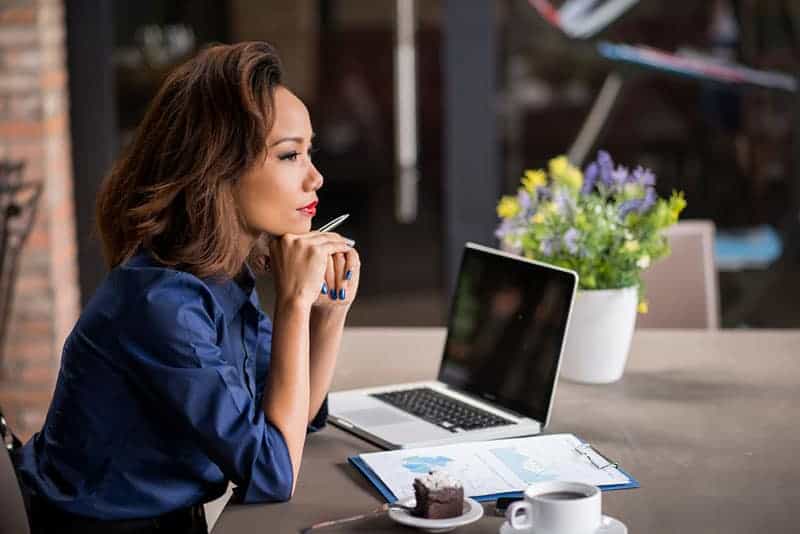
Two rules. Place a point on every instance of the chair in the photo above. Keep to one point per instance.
(19, 199)
(13, 516)
(682, 289)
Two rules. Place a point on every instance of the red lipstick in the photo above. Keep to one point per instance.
(309, 209)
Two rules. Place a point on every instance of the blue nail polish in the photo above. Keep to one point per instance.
(341, 294)
(333, 294)
(324, 288)
(348, 275)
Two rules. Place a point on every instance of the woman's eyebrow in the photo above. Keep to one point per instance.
(287, 140)
(290, 140)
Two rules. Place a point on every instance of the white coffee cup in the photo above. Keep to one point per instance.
(557, 508)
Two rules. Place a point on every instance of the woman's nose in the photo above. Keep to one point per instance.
(315, 179)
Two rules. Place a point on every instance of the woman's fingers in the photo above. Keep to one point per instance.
(320, 256)
(338, 270)
(352, 272)
(329, 284)
(352, 266)
(317, 238)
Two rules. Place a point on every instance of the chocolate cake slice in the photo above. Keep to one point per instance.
(438, 496)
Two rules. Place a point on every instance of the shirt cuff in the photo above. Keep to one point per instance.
(272, 476)
(319, 421)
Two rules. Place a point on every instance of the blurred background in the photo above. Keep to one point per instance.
(492, 88)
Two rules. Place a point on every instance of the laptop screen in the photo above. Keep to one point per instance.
(506, 331)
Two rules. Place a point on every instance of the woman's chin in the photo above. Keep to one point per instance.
(295, 226)
(304, 227)
(304, 224)
(299, 227)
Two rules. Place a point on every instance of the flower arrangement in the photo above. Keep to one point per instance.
(605, 223)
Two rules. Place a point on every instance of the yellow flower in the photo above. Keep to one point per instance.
(533, 180)
(574, 178)
(632, 190)
(642, 308)
(508, 207)
(538, 218)
(558, 165)
(631, 246)
(564, 172)
(548, 208)
(676, 205)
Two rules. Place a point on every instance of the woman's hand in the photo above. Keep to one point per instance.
(342, 275)
(300, 262)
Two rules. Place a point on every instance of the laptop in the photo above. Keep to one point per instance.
(497, 378)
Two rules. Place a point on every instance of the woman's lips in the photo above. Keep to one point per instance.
(310, 209)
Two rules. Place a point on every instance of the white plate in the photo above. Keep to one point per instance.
(472, 512)
(609, 525)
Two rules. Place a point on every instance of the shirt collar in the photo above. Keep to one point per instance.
(231, 294)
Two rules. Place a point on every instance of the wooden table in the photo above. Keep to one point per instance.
(706, 421)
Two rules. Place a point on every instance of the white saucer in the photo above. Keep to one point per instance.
(472, 512)
(609, 525)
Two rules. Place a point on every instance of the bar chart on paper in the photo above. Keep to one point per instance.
(491, 468)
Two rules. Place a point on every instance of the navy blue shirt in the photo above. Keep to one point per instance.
(158, 400)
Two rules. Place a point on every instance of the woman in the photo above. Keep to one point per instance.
(173, 381)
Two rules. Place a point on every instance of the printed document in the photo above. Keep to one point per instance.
(500, 466)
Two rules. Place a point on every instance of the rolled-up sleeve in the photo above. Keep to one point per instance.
(262, 368)
(172, 343)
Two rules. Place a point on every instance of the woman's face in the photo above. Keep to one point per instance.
(279, 195)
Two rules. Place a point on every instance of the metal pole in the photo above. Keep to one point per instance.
(405, 94)
(471, 138)
(597, 119)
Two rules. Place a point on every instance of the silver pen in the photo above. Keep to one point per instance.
(333, 224)
(327, 228)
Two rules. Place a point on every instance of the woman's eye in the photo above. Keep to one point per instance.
(289, 156)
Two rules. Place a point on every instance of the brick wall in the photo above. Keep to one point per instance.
(34, 127)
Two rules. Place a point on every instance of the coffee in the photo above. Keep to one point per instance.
(561, 495)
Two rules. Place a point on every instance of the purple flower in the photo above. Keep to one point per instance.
(589, 178)
(571, 240)
(648, 201)
(620, 175)
(606, 165)
(563, 202)
(548, 247)
(630, 206)
(524, 200)
(644, 177)
(505, 227)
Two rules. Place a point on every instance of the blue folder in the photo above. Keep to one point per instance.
(387, 494)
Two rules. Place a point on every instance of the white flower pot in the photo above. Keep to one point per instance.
(599, 336)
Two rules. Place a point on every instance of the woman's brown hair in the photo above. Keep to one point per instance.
(172, 192)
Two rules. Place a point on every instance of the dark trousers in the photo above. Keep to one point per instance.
(47, 519)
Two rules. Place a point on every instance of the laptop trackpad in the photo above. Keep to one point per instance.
(376, 417)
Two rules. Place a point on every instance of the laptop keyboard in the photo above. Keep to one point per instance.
(442, 410)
